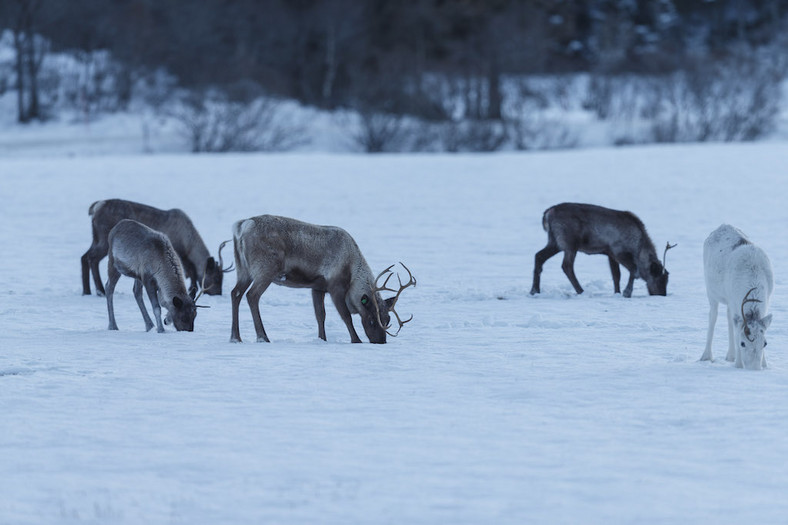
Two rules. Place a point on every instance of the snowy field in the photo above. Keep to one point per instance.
(492, 406)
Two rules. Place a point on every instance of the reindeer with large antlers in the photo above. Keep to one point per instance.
(287, 252)
(739, 275)
(573, 227)
(198, 264)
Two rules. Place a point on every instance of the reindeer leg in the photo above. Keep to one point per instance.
(338, 297)
(318, 300)
(732, 354)
(238, 292)
(94, 256)
(85, 261)
(152, 288)
(253, 298)
(141, 304)
(539, 259)
(569, 269)
(615, 269)
(713, 307)
(630, 284)
(112, 280)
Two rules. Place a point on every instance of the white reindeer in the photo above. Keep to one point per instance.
(149, 258)
(739, 275)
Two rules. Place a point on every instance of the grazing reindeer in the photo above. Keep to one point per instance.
(292, 253)
(198, 264)
(739, 275)
(620, 235)
(149, 258)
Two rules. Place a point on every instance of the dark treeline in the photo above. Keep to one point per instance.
(381, 54)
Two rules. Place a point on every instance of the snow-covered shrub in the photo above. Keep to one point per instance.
(87, 82)
(532, 124)
(472, 135)
(212, 123)
(734, 100)
(379, 132)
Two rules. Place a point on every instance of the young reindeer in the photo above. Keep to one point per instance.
(739, 275)
(287, 252)
(198, 264)
(149, 258)
(591, 229)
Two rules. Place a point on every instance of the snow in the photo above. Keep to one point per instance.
(492, 406)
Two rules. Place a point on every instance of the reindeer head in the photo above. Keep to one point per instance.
(183, 310)
(214, 273)
(181, 313)
(657, 279)
(376, 311)
(750, 335)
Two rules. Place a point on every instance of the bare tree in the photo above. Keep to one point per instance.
(212, 123)
(30, 51)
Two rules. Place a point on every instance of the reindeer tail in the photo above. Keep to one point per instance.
(546, 219)
(94, 207)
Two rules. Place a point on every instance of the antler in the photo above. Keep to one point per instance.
(384, 287)
(668, 246)
(202, 290)
(221, 261)
(744, 319)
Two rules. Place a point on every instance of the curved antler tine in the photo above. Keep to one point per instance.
(381, 274)
(747, 299)
(202, 290)
(221, 261)
(401, 323)
(668, 246)
(410, 275)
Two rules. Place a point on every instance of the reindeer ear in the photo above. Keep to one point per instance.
(655, 269)
(177, 302)
(211, 264)
(390, 302)
(767, 321)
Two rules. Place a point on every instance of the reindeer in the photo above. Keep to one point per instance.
(739, 275)
(198, 264)
(287, 252)
(150, 259)
(620, 235)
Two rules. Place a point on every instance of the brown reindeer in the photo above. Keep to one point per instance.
(288, 252)
(148, 257)
(198, 264)
(591, 229)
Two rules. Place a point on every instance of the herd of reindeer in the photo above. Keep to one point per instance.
(160, 249)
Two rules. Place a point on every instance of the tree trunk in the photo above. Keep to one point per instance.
(494, 97)
(20, 77)
(331, 64)
(33, 65)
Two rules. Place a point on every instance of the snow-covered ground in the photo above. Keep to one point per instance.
(492, 406)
